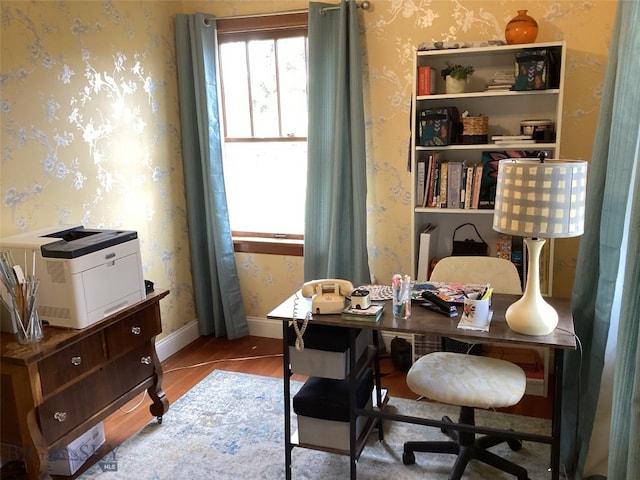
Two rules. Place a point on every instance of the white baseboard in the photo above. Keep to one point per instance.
(177, 340)
(264, 327)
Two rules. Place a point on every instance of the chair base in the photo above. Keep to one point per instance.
(466, 446)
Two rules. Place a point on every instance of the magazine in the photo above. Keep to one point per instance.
(452, 292)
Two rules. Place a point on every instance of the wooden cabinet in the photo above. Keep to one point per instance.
(55, 390)
(505, 110)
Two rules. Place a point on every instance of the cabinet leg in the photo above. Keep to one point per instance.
(160, 402)
(36, 452)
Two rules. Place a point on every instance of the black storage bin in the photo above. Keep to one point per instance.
(328, 399)
(326, 350)
(322, 410)
(323, 337)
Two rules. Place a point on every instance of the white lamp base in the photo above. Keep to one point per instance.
(531, 315)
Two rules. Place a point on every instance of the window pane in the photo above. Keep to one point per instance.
(264, 88)
(266, 186)
(235, 89)
(292, 67)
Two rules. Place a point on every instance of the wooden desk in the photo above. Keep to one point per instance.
(425, 321)
(55, 390)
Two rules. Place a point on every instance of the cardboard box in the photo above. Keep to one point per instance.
(67, 460)
(326, 351)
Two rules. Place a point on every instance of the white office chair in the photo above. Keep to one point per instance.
(501, 273)
(469, 381)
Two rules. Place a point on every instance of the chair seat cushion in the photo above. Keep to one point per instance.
(467, 380)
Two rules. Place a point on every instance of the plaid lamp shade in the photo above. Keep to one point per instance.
(540, 199)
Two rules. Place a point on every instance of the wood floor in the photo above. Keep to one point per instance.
(254, 355)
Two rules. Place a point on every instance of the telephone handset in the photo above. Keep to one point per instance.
(327, 296)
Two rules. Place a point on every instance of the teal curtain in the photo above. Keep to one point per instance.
(609, 266)
(335, 241)
(215, 280)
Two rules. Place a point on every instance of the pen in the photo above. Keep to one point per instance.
(484, 291)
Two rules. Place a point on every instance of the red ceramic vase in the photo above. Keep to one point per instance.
(521, 29)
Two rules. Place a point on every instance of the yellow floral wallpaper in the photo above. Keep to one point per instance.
(90, 127)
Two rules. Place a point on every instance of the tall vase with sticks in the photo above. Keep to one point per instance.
(22, 290)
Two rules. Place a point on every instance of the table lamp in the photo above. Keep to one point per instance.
(538, 199)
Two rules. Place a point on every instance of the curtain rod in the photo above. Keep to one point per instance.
(365, 5)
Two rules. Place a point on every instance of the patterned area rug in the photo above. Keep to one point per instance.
(230, 426)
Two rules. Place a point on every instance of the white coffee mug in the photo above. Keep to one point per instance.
(476, 312)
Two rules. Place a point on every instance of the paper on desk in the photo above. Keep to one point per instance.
(467, 324)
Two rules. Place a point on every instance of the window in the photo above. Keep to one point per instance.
(263, 79)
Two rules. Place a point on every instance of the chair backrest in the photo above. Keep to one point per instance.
(500, 273)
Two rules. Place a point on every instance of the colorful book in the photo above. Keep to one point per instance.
(421, 174)
(454, 179)
(443, 185)
(426, 81)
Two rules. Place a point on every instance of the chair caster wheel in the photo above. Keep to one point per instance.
(515, 444)
(408, 458)
(159, 419)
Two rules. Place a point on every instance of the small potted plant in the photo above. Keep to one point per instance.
(456, 76)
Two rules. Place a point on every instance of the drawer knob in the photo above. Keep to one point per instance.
(145, 360)
(136, 330)
(76, 361)
(60, 416)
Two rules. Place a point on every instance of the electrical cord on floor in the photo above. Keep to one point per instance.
(202, 364)
(221, 360)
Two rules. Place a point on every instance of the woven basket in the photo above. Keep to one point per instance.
(475, 129)
(475, 125)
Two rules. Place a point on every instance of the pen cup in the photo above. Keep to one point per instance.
(476, 312)
(401, 296)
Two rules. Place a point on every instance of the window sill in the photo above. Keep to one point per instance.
(272, 246)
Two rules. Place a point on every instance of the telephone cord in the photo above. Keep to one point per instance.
(299, 344)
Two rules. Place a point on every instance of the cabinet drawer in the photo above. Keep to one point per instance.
(77, 403)
(131, 332)
(64, 366)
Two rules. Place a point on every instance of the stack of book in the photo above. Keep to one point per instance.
(371, 314)
(511, 139)
(501, 81)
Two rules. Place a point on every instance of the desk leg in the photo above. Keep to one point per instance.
(286, 377)
(378, 383)
(352, 402)
(556, 421)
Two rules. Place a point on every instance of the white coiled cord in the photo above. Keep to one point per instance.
(299, 330)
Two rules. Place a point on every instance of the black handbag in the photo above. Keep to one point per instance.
(469, 247)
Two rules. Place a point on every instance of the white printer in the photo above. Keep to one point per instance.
(85, 275)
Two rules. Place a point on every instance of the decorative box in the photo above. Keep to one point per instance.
(438, 126)
(326, 350)
(537, 69)
(322, 410)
